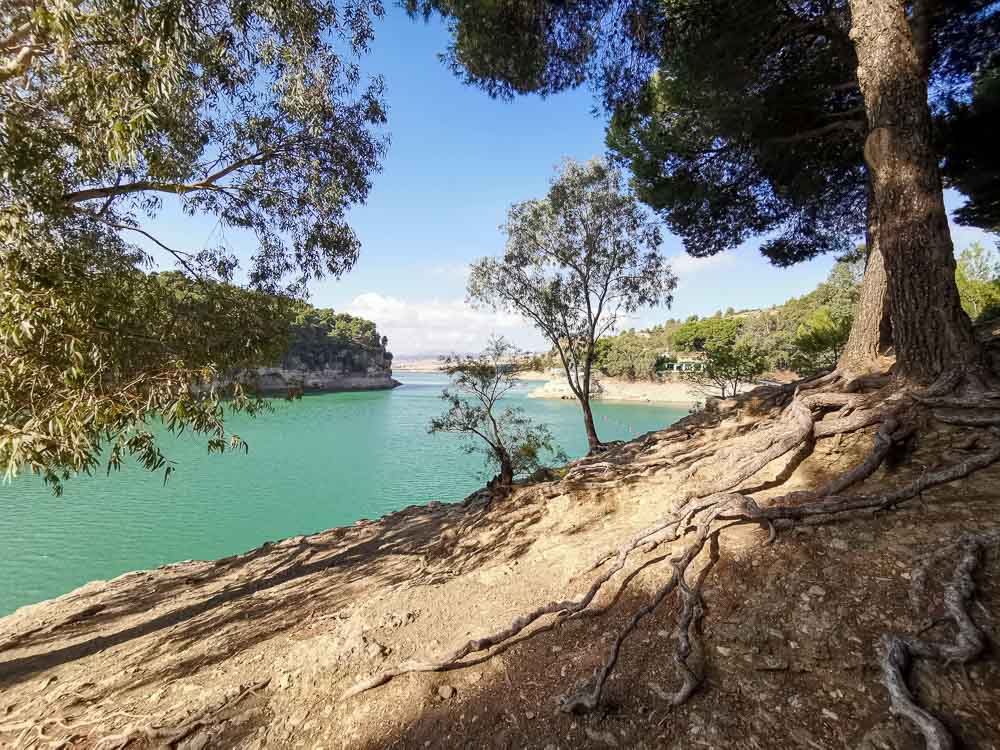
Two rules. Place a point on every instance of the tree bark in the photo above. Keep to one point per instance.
(506, 472)
(931, 333)
(871, 331)
(593, 441)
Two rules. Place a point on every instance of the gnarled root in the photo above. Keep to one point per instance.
(697, 517)
(170, 734)
(899, 651)
(588, 696)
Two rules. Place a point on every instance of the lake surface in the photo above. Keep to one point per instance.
(324, 461)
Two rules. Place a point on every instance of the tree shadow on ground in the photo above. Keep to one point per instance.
(253, 597)
(790, 637)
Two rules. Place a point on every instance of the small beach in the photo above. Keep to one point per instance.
(674, 392)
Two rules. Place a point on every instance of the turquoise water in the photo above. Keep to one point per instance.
(324, 461)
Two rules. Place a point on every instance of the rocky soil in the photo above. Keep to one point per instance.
(256, 650)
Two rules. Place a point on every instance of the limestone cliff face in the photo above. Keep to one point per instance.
(339, 369)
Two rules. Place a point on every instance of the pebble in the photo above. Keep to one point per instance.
(529, 715)
(605, 737)
(770, 664)
(817, 591)
(446, 692)
(840, 544)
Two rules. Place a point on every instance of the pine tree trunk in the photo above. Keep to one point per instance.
(871, 331)
(931, 333)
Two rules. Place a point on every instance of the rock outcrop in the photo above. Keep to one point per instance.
(347, 369)
(330, 351)
(274, 379)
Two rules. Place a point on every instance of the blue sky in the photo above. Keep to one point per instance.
(456, 161)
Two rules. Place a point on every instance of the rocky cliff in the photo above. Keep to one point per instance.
(330, 351)
(368, 374)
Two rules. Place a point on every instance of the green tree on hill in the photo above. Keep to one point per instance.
(728, 366)
(702, 335)
(819, 341)
(627, 355)
(978, 279)
(321, 337)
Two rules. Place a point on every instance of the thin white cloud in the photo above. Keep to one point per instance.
(440, 326)
(685, 266)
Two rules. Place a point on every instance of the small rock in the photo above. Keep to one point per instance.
(446, 692)
(529, 715)
(770, 664)
(840, 544)
(605, 737)
(816, 591)
(723, 650)
(830, 715)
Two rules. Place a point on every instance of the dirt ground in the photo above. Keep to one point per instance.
(255, 650)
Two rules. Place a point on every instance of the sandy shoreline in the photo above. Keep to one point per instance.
(676, 393)
(673, 392)
(421, 365)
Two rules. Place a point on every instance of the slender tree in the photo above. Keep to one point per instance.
(509, 439)
(978, 277)
(575, 262)
(727, 366)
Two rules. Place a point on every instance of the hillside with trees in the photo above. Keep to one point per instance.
(320, 338)
(805, 335)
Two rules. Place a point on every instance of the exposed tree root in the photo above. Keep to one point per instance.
(899, 650)
(968, 420)
(169, 735)
(587, 697)
(705, 508)
(701, 507)
(712, 467)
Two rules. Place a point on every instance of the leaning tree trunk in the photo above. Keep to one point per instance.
(593, 441)
(931, 333)
(871, 331)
